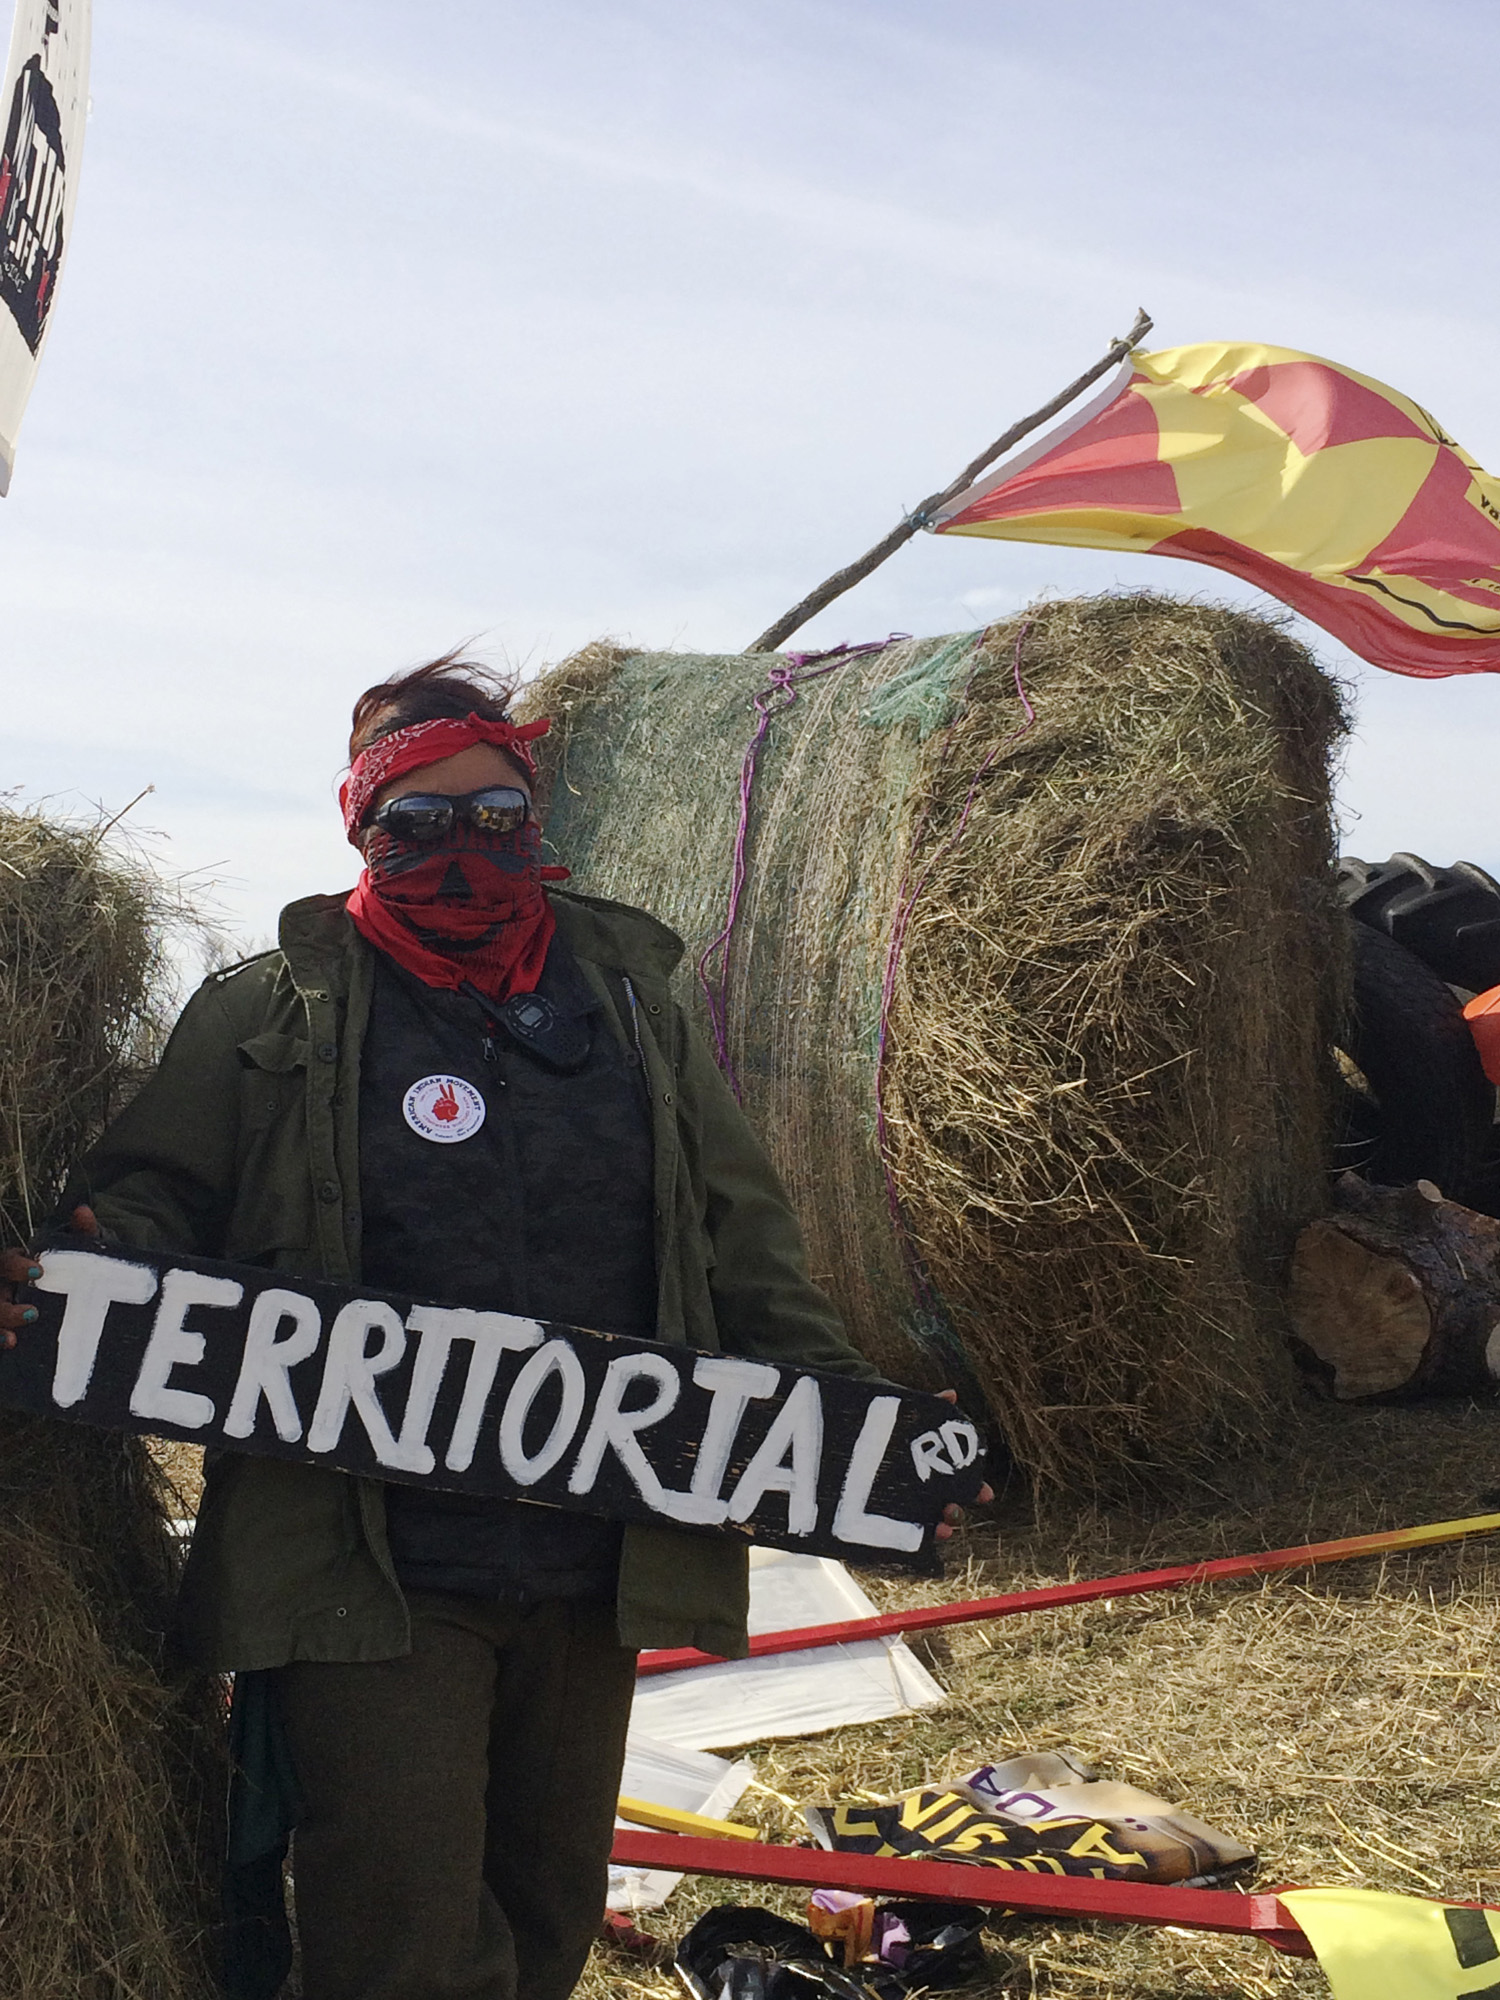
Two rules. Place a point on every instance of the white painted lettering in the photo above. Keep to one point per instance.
(928, 1457)
(962, 1441)
(556, 1358)
(91, 1284)
(617, 1430)
(788, 1461)
(174, 1344)
(733, 1386)
(269, 1361)
(349, 1377)
(490, 1334)
(851, 1521)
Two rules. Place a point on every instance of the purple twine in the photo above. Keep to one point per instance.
(784, 681)
(906, 903)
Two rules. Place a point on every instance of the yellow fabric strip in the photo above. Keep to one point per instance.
(1373, 1946)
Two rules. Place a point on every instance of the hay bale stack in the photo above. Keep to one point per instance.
(1106, 1077)
(109, 1766)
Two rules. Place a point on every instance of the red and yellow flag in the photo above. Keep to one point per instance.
(1334, 493)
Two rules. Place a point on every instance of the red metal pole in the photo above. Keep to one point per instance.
(1222, 1910)
(924, 1617)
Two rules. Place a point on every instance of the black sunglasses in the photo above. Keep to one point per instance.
(423, 816)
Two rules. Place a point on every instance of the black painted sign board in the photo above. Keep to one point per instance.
(242, 1359)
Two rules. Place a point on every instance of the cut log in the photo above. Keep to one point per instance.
(1360, 1310)
(1397, 1293)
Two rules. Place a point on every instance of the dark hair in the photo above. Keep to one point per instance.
(449, 687)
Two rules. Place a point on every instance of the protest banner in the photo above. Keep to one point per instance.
(243, 1359)
(43, 106)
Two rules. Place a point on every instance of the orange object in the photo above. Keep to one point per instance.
(845, 1918)
(1483, 1017)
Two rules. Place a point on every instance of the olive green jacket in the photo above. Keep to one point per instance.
(245, 1145)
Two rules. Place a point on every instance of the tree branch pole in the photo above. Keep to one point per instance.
(856, 572)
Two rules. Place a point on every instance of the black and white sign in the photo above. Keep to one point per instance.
(43, 106)
(247, 1360)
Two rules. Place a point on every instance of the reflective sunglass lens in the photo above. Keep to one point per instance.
(416, 818)
(501, 810)
(422, 816)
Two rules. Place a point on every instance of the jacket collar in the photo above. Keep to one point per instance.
(616, 935)
(320, 943)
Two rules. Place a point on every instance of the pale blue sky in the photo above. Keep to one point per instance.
(388, 324)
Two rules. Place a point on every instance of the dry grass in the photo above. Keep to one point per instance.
(111, 1763)
(182, 1468)
(1108, 1084)
(85, 992)
(1344, 1721)
(571, 691)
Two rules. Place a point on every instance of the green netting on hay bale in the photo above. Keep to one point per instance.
(1107, 1076)
(110, 1763)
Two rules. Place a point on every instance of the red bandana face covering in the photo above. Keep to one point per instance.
(470, 908)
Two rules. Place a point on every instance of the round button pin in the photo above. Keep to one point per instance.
(444, 1109)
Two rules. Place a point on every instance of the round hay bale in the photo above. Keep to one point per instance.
(111, 1765)
(1106, 1030)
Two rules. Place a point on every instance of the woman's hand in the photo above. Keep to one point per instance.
(19, 1267)
(953, 1515)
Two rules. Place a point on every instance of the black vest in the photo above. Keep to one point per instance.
(545, 1210)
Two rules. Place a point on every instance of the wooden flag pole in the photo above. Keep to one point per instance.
(1047, 1597)
(1223, 1910)
(856, 572)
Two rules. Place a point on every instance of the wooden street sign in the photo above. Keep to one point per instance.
(248, 1360)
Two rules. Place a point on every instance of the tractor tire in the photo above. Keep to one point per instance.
(1419, 1106)
(1450, 917)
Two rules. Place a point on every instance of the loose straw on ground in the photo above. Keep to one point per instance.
(1343, 1722)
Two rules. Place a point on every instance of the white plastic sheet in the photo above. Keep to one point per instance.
(667, 1776)
(787, 1694)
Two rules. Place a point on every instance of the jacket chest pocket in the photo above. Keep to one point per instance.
(273, 1080)
(272, 1211)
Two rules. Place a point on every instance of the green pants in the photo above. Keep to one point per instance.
(458, 1803)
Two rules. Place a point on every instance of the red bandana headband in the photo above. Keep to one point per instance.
(426, 743)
